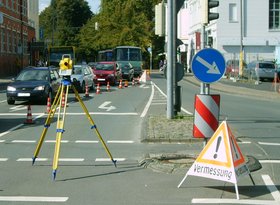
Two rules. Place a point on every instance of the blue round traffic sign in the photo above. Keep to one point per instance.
(208, 65)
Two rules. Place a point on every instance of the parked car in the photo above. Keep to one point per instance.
(34, 83)
(82, 76)
(260, 70)
(107, 72)
(127, 71)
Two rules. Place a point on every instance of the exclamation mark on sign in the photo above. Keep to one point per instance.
(217, 146)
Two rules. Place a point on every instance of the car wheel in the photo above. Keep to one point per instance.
(10, 101)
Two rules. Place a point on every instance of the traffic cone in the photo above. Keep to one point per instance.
(86, 94)
(120, 85)
(108, 86)
(29, 116)
(63, 100)
(48, 105)
(98, 89)
(133, 82)
(126, 83)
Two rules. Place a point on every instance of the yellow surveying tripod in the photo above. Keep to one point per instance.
(58, 104)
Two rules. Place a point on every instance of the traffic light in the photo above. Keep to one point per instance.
(208, 15)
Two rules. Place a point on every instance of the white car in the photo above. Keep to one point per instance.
(81, 77)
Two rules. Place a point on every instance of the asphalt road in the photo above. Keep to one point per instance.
(86, 175)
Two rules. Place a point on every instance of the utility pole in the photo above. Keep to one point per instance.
(170, 58)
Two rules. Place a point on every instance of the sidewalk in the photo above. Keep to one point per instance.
(240, 88)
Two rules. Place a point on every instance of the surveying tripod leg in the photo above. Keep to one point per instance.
(46, 125)
(93, 125)
(59, 130)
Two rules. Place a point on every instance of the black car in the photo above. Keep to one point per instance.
(127, 72)
(34, 83)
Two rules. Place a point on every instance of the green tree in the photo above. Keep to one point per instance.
(120, 22)
(63, 19)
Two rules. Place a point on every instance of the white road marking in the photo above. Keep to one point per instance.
(73, 113)
(244, 142)
(47, 159)
(18, 107)
(86, 141)
(2, 141)
(149, 102)
(269, 143)
(2, 101)
(23, 141)
(109, 108)
(54, 141)
(10, 130)
(3, 159)
(33, 199)
(30, 159)
(121, 141)
(269, 161)
(233, 201)
(108, 159)
(270, 186)
(183, 109)
(71, 159)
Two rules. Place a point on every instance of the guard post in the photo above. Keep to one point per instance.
(208, 67)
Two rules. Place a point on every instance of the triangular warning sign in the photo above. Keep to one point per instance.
(221, 158)
(143, 77)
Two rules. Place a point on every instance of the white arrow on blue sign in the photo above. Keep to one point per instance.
(208, 65)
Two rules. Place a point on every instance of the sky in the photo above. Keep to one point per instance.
(94, 5)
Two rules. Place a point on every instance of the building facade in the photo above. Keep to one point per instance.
(250, 26)
(15, 36)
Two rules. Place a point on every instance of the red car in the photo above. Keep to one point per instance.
(106, 72)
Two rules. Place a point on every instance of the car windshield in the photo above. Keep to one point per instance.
(104, 67)
(30, 75)
(267, 65)
(77, 70)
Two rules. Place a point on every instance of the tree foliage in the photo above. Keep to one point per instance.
(119, 22)
(63, 19)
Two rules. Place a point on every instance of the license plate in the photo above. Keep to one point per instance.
(101, 79)
(23, 94)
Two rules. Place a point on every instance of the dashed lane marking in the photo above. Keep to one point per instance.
(108, 159)
(69, 159)
(77, 141)
(121, 141)
(269, 143)
(46, 159)
(269, 161)
(33, 199)
(86, 141)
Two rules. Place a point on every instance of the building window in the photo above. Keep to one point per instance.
(274, 17)
(3, 40)
(232, 13)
